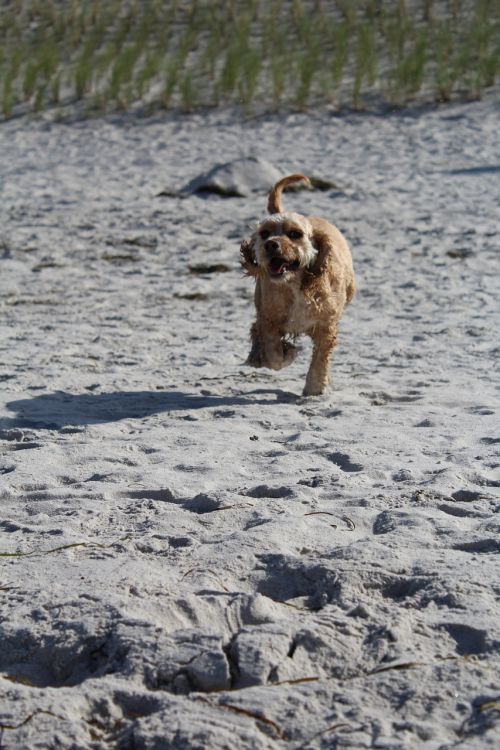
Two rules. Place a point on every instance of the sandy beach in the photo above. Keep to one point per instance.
(194, 556)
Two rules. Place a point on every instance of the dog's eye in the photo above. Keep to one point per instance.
(295, 234)
(265, 234)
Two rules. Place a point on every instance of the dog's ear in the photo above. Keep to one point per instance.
(313, 273)
(247, 258)
(322, 244)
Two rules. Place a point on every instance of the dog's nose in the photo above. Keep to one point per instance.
(272, 248)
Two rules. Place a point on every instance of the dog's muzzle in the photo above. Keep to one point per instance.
(272, 248)
(278, 265)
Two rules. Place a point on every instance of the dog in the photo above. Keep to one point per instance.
(304, 278)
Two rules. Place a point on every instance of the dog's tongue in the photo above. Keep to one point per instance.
(278, 266)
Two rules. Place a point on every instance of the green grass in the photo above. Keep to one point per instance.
(104, 55)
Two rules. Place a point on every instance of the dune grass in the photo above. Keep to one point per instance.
(259, 54)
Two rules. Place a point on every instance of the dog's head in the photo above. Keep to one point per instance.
(282, 247)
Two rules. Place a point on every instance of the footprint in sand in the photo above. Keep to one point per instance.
(264, 490)
(343, 461)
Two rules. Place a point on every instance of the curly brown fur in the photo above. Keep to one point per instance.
(304, 279)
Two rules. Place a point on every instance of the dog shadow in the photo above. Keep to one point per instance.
(60, 410)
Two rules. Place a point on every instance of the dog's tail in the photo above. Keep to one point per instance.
(274, 204)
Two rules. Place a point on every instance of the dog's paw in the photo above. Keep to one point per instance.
(254, 359)
(314, 389)
(274, 357)
(254, 362)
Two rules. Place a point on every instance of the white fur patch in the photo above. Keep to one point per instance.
(309, 254)
(277, 218)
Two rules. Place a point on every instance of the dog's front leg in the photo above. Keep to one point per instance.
(255, 358)
(268, 348)
(317, 379)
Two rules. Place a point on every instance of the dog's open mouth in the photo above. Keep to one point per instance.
(280, 266)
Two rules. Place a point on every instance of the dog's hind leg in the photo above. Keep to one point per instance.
(290, 351)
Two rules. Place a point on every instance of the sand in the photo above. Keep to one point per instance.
(192, 554)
